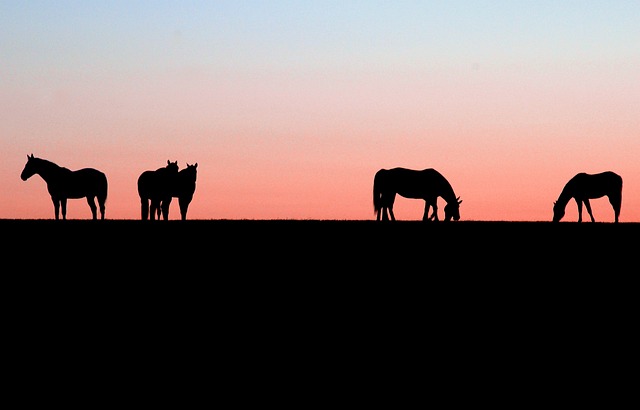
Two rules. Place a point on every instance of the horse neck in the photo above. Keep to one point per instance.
(48, 170)
(186, 175)
(565, 196)
(447, 193)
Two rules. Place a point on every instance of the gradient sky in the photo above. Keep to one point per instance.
(290, 107)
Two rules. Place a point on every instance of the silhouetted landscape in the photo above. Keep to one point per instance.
(260, 294)
(350, 248)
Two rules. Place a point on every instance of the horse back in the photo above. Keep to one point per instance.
(155, 184)
(418, 184)
(85, 182)
(595, 185)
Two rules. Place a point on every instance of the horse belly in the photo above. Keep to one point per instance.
(78, 193)
(594, 193)
(412, 193)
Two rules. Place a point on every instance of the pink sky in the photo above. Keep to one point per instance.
(287, 126)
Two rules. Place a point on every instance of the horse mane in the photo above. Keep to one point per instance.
(46, 162)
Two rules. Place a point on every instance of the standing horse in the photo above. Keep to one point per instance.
(427, 184)
(64, 184)
(154, 187)
(183, 189)
(583, 187)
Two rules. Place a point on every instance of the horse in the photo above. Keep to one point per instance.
(183, 189)
(427, 184)
(64, 184)
(583, 187)
(154, 187)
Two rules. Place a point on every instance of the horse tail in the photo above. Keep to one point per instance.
(377, 192)
(105, 187)
(620, 179)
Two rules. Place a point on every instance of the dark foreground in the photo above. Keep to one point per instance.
(319, 247)
(274, 261)
(266, 308)
(315, 253)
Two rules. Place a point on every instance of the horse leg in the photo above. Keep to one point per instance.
(434, 215)
(387, 200)
(144, 209)
(427, 206)
(616, 203)
(154, 209)
(56, 207)
(101, 202)
(579, 203)
(164, 208)
(587, 204)
(184, 202)
(92, 205)
(63, 208)
(387, 213)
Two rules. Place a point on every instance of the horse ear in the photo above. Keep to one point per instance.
(168, 162)
(30, 157)
(195, 165)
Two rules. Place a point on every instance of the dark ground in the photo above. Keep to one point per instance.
(311, 244)
(482, 312)
(327, 256)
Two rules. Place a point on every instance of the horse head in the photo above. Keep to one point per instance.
(192, 167)
(172, 166)
(29, 168)
(558, 212)
(452, 210)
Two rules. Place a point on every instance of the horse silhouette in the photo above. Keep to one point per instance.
(583, 187)
(154, 189)
(64, 184)
(427, 184)
(183, 189)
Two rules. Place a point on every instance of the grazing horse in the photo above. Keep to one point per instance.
(64, 184)
(154, 188)
(427, 184)
(583, 187)
(183, 189)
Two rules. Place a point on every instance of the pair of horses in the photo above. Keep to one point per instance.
(429, 184)
(158, 187)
